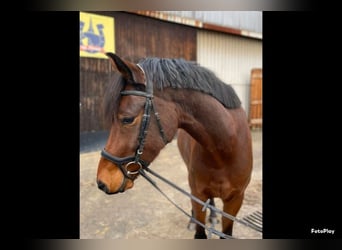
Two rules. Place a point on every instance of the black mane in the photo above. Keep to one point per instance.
(174, 73)
(178, 73)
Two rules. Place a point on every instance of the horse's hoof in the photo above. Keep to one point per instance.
(200, 236)
(192, 226)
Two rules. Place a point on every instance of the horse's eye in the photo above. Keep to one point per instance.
(127, 120)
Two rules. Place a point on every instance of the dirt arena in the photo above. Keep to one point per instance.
(143, 213)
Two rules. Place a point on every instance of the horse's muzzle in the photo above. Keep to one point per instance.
(103, 187)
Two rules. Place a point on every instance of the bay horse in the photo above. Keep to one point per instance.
(149, 102)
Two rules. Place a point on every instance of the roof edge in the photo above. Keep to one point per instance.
(197, 23)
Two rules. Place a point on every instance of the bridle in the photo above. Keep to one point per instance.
(124, 162)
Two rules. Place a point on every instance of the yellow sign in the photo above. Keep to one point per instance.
(96, 35)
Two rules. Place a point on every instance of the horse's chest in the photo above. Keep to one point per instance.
(215, 184)
(218, 189)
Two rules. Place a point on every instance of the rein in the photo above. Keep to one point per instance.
(206, 205)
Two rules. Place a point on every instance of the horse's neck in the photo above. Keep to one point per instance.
(206, 120)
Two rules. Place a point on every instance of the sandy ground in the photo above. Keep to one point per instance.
(143, 213)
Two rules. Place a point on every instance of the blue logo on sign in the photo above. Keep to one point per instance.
(94, 42)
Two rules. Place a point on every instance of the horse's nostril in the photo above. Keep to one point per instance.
(102, 186)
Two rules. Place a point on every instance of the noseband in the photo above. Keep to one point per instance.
(124, 162)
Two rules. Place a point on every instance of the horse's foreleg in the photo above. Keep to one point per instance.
(199, 215)
(232, 207)
(213, 217)
(192, 224)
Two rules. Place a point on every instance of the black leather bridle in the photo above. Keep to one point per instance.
(124, 162)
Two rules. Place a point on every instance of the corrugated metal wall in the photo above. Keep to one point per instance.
(243, 20)
(231, 58)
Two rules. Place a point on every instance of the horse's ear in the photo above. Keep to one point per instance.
(121, 66)
(130, 71)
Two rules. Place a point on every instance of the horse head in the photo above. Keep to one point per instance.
(137, 132)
